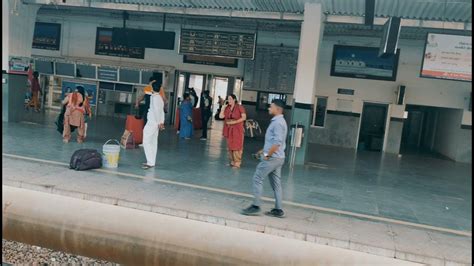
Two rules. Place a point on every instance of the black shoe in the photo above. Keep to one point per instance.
(252, 210)
(276, 213)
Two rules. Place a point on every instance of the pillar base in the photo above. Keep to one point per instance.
(303, 115)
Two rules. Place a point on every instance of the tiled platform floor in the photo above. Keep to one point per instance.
(411, 188)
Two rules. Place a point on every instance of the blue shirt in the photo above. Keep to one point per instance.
(276, 135)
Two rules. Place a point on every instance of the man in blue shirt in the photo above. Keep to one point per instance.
(272, 159)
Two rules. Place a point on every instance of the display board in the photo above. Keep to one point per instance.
(104, 46)
(90, 88)
(217, 43)
(364, 63)
(447, 57)
(273, 70)
(211, 60)
(107, 73)
(47, 36)
(144, 38)
(19, 65)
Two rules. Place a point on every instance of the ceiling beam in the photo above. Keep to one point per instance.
(417, 23)
(248, 14)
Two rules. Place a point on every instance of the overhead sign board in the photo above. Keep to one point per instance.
(447, 57)
(217, 43)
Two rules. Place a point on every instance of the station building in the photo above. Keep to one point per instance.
(316, 55)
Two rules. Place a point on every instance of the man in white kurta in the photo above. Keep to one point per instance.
(155, 120)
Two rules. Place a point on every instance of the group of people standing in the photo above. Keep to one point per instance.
(230, 111)
(186, 113)
(272, 156)
(76, 110)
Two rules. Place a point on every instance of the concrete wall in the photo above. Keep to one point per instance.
(419, 91)
(340, 130)
(79, 34)
(17, 29)
(451, 140)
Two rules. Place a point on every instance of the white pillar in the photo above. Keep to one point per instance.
(5, 33)
(307, 73)
(310, 40)
(18, 25)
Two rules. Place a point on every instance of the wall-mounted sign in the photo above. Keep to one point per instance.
(211, 60)
(273, 70)
(19, 65)
(364, 63)
(447, 57)
(104, 46)
(107, 73)
(47, 36)
(345, 91)
(217, 43)
(90, 88)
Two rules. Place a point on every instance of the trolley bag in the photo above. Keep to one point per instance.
(85, 159)
(135, 125)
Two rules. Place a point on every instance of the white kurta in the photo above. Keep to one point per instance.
(156, 117)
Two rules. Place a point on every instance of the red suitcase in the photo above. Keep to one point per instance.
(136, 126)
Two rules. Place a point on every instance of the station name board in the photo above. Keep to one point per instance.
(217, 43)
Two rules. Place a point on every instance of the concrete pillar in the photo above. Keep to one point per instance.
(18, 24)
(307, 72)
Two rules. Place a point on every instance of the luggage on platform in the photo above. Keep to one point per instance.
(252, 128)
(85, 159)
(135, 124)
(127, 141)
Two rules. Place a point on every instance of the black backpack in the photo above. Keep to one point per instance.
(85, 159)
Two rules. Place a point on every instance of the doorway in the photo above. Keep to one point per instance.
(419, 129)
(372, 128)
(219, 87)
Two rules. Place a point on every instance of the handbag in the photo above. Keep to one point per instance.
(127, 141)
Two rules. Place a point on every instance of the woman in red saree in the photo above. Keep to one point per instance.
(234, 115)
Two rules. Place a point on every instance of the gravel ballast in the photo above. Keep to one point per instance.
(19, 253)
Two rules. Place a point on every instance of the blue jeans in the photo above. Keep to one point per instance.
(272, 169)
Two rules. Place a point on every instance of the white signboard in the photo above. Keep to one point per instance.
(447, 57)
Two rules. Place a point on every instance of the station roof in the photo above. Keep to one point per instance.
(441, 10)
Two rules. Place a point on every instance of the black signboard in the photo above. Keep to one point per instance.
(104, 46)
(364, 63)
(345, 91)
(273, 70)
(217, 43)
(47, 36)
(107, 73)
(211, 60)
(143, 38)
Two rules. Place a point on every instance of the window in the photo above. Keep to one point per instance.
(86, 71)
(65, 69)
(320, 112)
(129, 75)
